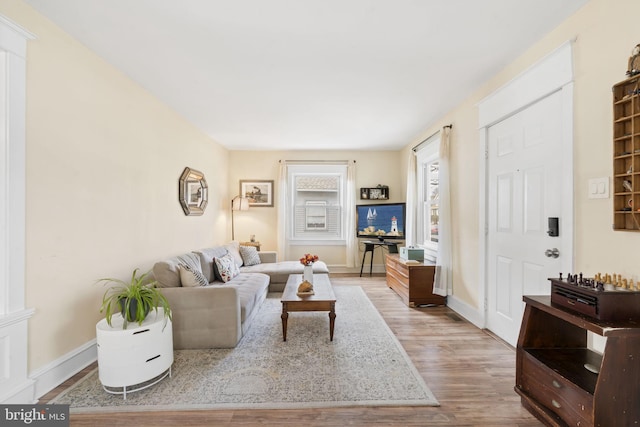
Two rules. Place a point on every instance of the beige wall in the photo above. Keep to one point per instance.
(104, 157)
(605, 34)
(103, 162)
(372, 168)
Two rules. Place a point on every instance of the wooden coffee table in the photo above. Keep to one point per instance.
(323, 300)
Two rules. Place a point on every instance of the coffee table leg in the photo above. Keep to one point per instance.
(284, 316)
(332, 319)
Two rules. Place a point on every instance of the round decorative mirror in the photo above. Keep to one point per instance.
(193, 192)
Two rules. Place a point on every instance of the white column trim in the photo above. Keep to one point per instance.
(15, 386)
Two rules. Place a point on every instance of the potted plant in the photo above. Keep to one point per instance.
(133, 299)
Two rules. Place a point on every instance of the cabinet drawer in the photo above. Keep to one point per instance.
(556, 393)
(398, 286)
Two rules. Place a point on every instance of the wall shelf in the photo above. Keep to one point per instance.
(626, 155)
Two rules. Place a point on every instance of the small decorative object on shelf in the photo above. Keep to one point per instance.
(633, 67)
(307, 260)
(381, 192)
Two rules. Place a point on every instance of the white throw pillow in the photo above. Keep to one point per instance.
(227, 267)
(234, 249)
(191, 278)
(249, 255)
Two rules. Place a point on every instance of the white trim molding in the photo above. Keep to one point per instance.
(15, 386)
(55, 373)
(552, 73)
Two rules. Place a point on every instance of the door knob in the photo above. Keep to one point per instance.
(552, 253)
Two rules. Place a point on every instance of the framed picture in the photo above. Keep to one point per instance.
(259, 192)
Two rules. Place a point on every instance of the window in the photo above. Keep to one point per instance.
(316, 201)
(429, 197)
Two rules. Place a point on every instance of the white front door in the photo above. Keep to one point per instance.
(525, 189)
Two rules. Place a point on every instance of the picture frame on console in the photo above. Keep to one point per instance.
(259, 192)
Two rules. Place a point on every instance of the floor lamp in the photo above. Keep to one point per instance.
(238, 203)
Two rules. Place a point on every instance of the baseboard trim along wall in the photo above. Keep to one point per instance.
(465, 310)
(55, 373)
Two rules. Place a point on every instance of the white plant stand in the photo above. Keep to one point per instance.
(135, 358)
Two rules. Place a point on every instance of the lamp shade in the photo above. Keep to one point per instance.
(240, 203)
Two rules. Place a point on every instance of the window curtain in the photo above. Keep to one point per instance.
(350, 215)
(282, 210)
(443, 277)
(412, 197)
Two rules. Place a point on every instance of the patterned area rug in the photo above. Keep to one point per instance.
(364, 365)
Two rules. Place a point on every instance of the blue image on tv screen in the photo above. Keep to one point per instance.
(385, 221)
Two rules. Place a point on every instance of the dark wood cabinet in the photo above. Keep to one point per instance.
(412, 281)
(563, 382)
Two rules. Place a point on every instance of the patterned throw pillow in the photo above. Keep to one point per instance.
(249, 255)
(191, 277)
(227, 267)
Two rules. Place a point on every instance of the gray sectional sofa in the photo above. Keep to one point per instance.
(219, 314)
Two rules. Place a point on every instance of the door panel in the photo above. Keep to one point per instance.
(525, 188)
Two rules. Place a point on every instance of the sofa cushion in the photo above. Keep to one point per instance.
(227, 267)
(280, 271)
(234, 250)
(249, 255)
(191, 278)
(251, 288)
(206, 260)
(167, 272)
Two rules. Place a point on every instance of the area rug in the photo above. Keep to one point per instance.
(363, 365)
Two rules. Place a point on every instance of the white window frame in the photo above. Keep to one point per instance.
(316, 235)
(425, 157)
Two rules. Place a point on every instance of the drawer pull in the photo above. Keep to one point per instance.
(141, 332)
(153, 358)
(556, 384)
(555, 404)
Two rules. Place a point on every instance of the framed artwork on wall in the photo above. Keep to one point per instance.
(259, 192)
(193, 192)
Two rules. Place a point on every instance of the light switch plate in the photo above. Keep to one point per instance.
(598, 188)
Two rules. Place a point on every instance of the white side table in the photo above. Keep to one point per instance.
(129, 359)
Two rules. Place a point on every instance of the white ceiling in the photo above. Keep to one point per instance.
(309, 74)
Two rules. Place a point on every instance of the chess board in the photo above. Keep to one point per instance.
(588, 297)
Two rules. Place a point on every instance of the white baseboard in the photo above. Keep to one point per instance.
(465, 310)
(343, 269)
(21, 394)
(55, 373)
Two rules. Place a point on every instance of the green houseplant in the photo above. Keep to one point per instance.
(133, 299)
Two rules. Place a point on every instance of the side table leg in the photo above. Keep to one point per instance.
(332, 320)
(284, 316)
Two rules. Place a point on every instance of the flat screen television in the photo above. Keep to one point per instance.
(381, 220)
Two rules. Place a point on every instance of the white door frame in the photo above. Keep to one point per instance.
(552, 73)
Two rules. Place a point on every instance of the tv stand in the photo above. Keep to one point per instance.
(370, 247)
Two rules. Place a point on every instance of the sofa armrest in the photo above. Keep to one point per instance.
(204, 317)
(268, 256)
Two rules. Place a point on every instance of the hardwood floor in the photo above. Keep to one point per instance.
(471, 373)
